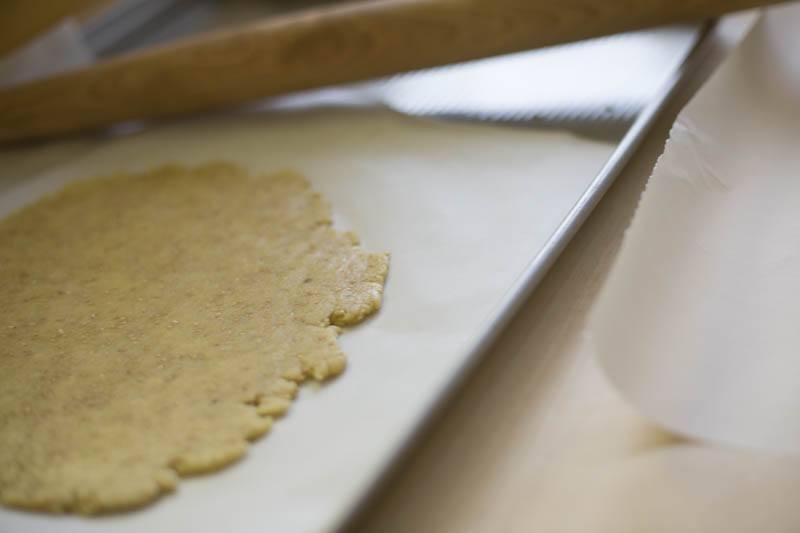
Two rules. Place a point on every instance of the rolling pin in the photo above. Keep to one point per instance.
(318, 47)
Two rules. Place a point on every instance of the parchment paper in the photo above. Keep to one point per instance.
(462, 209)
(698, 322)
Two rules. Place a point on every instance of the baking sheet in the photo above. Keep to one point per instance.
(697, 324)
(462, 208)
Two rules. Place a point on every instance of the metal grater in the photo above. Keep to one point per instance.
(596, 87)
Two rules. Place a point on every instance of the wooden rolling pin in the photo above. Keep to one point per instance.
(342, 43)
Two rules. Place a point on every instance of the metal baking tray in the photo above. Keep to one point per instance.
(536, 270)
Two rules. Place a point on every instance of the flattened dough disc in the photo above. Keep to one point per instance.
(154, 323)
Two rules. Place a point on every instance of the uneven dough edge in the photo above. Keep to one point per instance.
(351, 308)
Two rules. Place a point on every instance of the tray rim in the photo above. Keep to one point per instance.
(539, 266)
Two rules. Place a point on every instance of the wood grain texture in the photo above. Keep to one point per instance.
(320, 47)
(537, 440)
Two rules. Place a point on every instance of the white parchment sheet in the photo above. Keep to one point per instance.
(699, 322)
(463, 208)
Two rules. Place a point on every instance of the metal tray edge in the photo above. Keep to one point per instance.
(537, 269)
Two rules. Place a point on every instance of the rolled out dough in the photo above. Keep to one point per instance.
(154, 323)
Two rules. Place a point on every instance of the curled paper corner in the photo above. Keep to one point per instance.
(697, 322)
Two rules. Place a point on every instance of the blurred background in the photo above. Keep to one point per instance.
(594, 88)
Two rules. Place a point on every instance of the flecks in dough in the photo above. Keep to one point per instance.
(154, 323)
